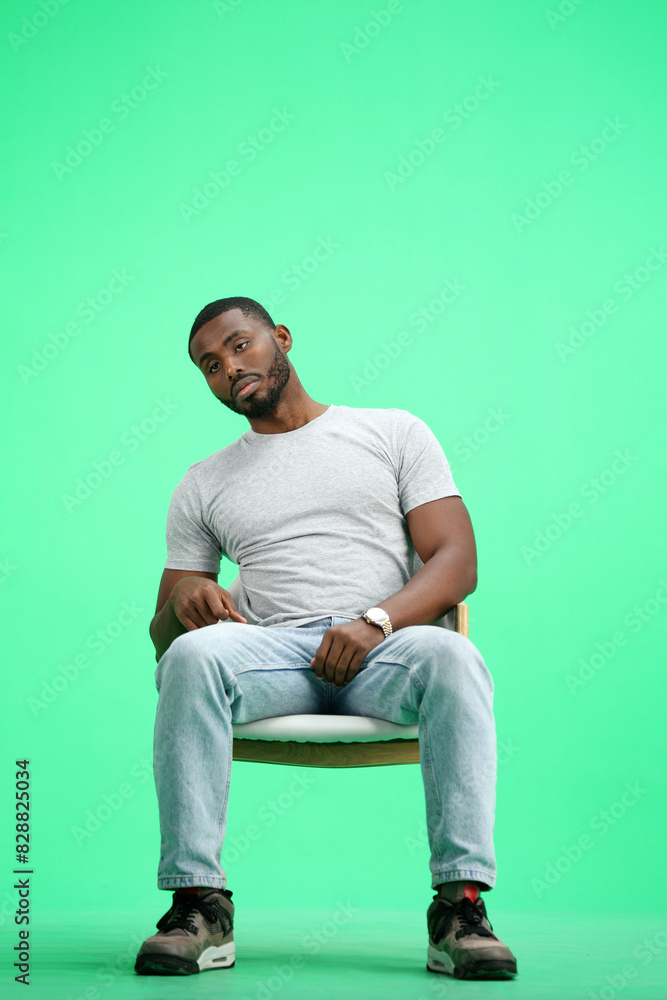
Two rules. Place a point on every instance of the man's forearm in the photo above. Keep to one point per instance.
(439, 585)
(164, 628)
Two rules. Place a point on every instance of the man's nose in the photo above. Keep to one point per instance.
(233, 369)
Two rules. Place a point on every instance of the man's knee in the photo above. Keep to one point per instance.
(194, 655)
(449, 657)
(210, 641)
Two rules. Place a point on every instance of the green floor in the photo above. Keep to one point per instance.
(352, 955)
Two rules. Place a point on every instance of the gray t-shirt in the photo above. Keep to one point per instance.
(314, 517)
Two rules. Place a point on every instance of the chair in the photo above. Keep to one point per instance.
(332, 740)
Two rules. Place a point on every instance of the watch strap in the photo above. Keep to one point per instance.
(385, 624)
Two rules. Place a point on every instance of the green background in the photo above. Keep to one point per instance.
(569, 612)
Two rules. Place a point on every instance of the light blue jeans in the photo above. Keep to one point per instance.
(235, 672)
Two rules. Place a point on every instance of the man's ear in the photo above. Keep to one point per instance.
(283, 336)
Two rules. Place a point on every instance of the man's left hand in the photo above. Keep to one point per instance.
(343, 649)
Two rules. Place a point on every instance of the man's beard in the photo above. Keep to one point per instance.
(276, 379)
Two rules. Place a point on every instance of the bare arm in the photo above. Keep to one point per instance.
(187, 600)
(442, 534)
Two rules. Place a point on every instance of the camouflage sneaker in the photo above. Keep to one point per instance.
(461, 942)
(194, 935)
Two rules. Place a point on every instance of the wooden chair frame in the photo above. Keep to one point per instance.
(342, 754)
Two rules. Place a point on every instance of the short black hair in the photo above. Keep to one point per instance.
(249, 307)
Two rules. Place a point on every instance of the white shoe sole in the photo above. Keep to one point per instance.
(439, 961)
(217, 958)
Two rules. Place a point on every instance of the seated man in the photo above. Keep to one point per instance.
(324, 509)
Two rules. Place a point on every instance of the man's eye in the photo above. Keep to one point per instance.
(241, 343)
(212, 367)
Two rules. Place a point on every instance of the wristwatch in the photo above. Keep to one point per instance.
(376, 616)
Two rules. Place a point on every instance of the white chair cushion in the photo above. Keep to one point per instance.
(327, 728)
(324, 729)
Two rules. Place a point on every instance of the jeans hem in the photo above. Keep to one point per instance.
(190, 881)
(463, 875)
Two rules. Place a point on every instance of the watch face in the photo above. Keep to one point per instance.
(376, 615)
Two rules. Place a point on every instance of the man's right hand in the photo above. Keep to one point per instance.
(198, 602)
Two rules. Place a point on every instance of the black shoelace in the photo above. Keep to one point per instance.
(181, 914)
(470, 914)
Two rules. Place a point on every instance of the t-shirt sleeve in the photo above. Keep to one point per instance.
(190, 542)
(423, 470)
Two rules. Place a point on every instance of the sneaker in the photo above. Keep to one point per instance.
(194, 935)
(461, 942)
